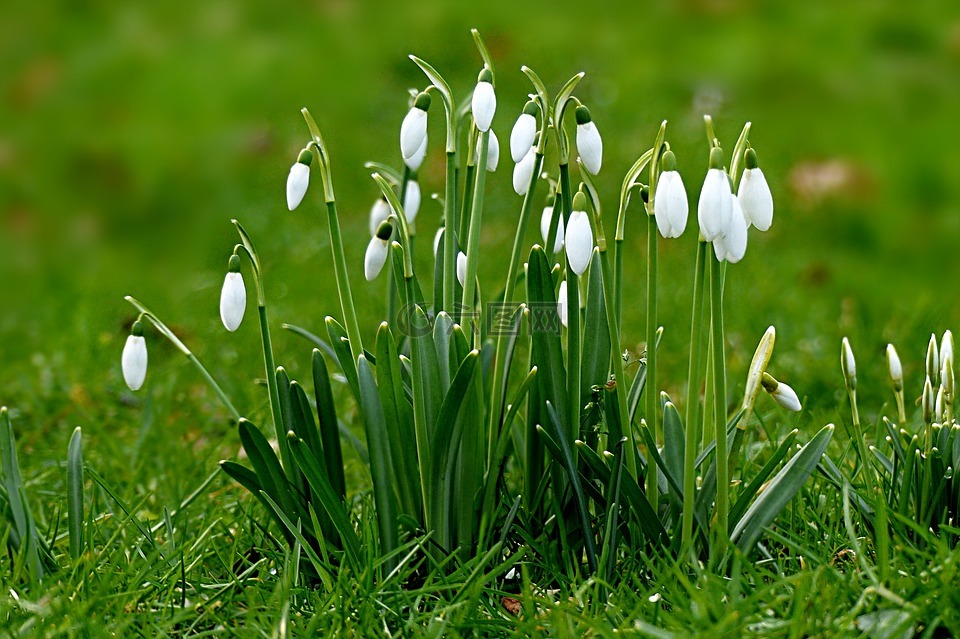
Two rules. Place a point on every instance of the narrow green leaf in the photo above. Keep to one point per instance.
(266, 465)
(328, 424)
(547, 349)
(75, 494)
(595, 360)
(751, 489)
(341, 346)
(674, 443)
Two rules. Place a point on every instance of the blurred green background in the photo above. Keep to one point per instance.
(130, 134)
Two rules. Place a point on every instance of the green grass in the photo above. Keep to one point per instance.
(137, 132)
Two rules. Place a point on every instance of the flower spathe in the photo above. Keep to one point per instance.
(233, 299)
(133, 361)
(579, 236)
(670, 206)
(732, 246)
(413, 129)
(589, 143)
(524, 132)
(523, 172)
(754, 194)
(546, 218)
(715, 208)
(411, 201)
(562, 303)
(484, 101)
(298, 180)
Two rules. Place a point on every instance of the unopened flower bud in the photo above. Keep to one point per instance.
(933, 360)
(928, 402)
(133, 361)
(589, 144)
(848, 365)
(781, 393)
(895, 368)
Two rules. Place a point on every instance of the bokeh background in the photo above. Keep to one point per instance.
(131, 133)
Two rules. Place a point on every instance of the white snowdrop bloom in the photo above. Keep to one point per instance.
(524, 132)
(436, 241)
(894, 366)
(733, 245)
(786, 397)
(379, 213)
(562, 303)
(298, 179)
(461, 267)
(546, 218)
(579, 236)
(413, 162)
(848, 364)
(133, 361)
(484, 102)
(377, 251)
(233, 296)
(589, 144)
(946, 346)
(670, 203)
(493, 152)
(523, 172)
(411, 200)
(413, 130)
(754, 194)
(715, 208)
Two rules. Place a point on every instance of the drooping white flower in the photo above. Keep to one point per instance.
(715, 208)
(523, 172)
(413, 130)
(733, 245)
(379, 213)
(484, 102)
(786, 397)
(233, 296)
(411, 201)
(493, 152)
(848, 364)
(546, 218)
(894, 366)
(298, 179)
(377, 251)
(670, 204)
(579, 236)
(413, 162)
(754, 194)
(589, 144)
(562, 303)
(461, 268)
(133, 361)
(524, 132)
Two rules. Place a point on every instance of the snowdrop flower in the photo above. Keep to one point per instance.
(134, 358)
(946, 346)
(524, 132)
(413, 130)
(298, 179)
(715, 209)
(562, 303)
(379, 213)
(411, 201)
(546, 219)
(670, 204)
(484, 103)
(493, 152)
(781, 393)
(377, 250)
(754, 194)
(579, 236)
(413, 162)
(589, 144)
(895, 368)
(848, 364)
(461, 267)
(436, 241)
(933, 359)
(233, 296)
(733, 244)
(523, 172)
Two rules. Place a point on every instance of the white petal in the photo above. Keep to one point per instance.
(849, 362)
(134, 361)
(579, 242)
(374, 258)
(484, 105)
(411, 201)
(413, 132)
(233, 301)
(946, 346)
(436, 241)
(413, 162)
(786, 397)
(523, 172)
(590, 146)
(379, 213)
(522, 136)
(297, 182)
(735, 239)
(714, 209)
(545, 219)
(756, 199)
(493, 152)
(461, 267)
(670, 205)
(562, 303)
(893, 362)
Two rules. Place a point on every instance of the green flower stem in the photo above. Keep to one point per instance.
(391, 283)
(473, 237)
(166, 332)
(618, 282)
(450, 235)
(272, 390)
(573, 314)
(469, 183)
(692, 417)
(720, 402)
(650, 390)
(343, 283)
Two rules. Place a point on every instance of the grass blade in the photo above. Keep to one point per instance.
(75, 494)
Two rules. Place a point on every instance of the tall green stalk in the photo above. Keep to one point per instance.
(343, 282)
(650, 391)
(692, 413)
(573, 314)
(720, 401)
(476, 217)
